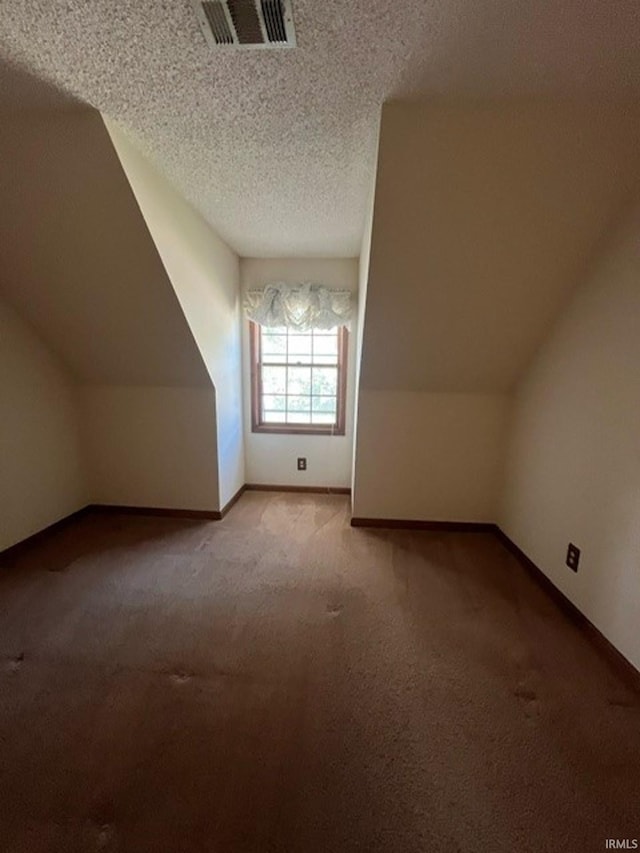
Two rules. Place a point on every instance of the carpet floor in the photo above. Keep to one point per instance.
(279, 681)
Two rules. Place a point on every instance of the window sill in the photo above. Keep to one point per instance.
(298, 429)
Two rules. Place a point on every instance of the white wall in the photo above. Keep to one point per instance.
(573, 471)
(152, 447)
(434, 457)
(271, 459)
(41, 476)
(204, 272)
(363, 280)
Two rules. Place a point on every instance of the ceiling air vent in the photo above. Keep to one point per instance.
(246, 23)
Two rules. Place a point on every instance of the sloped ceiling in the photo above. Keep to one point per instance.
(485, 218)
(277, 149)
(22, 91)
(76, 258)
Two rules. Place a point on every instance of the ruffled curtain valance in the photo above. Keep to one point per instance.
(301, 306)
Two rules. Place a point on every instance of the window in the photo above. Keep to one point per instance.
(298, 380)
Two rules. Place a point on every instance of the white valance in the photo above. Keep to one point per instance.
(301, 306)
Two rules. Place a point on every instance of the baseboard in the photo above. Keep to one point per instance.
(165, 512)
(225, 509)
(410, 524)
(605, 646)
(170, 512)
(8, 555)
(316, 490)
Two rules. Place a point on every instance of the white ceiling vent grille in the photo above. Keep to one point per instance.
(246, 23)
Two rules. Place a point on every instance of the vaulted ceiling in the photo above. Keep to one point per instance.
(277, 148)
(487, 216)
(76, 258)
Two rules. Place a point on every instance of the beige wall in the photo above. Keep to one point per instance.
(435, 457)
(77, 260)
(485, 215)
(153, 447)
(41, 478)
(204, 272)
(271, 459)
(574, 463)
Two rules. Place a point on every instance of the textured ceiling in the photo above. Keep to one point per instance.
(277, 148)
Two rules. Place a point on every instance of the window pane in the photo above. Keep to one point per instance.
(299, 417)
(273, 344)
(299, 381)
(274, 380)
(300, 345)
(320, 418)
(299, 404)
(325, 380)
(274, 404)
(325, 345)
(298, 377)
(299, 360)
(324, 404)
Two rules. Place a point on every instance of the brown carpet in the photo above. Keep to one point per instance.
(279, 681)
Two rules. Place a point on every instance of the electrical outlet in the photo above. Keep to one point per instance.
(302, 463)
(573, 557)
